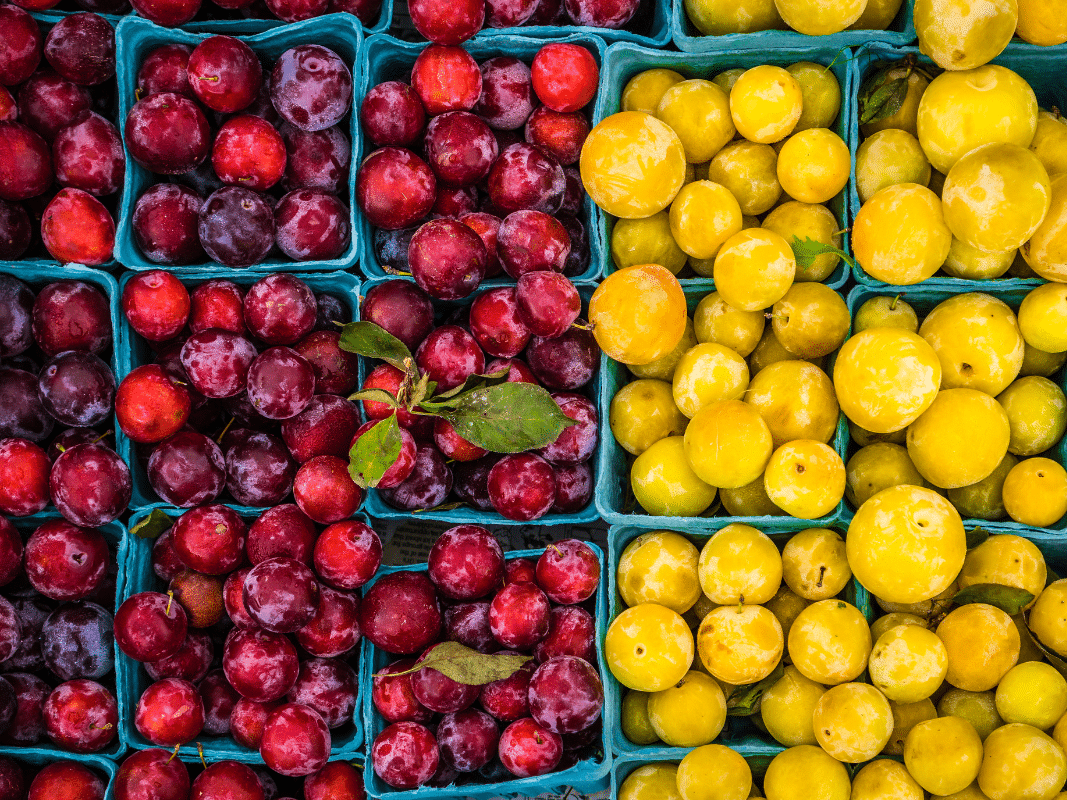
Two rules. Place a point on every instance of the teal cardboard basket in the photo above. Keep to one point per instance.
(379, 509)
(624, 61)
(1041, 67)
(137, 38)
(136, 352)
(389, 59)
(923, 298)
(688, 38)
(739, 733)
(133, 680)
(115, 535)
(587, 776)
(104, 767)
(650, 26)
(614, 499)
(757, 755)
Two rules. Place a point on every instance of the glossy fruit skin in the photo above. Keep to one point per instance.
(81, 715)
(262, 666)
(437, 692)
(77, 641)
(295, 741)
(227, 779)
(24, 469)
(405, 755)
(400, 613)
(149, 626)
(169, 713)
(311, 87)
(336, 779)
(66, 780)
(151, 774)
(466, 562)
(167, 134)
(528, 749)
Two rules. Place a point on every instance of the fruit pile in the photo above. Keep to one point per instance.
(517, 637)
(958, 172)
(746, 154)
(50, 132)
(60, 778)
(535, 319)
(54, 343)
(56, 642)
(957, 36)
(281, 582)
(455, 23)
(173, 13)
(262, 372)
(720, 17)
(496, 202)
(278, 130)
(985, 421)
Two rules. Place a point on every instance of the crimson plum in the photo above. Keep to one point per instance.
(81, 715)
(577, 442)
(447, 259)
(495, 321)
(329, 686)
(259, 470)
(518, 615)
(88, 155)
(405, 755)
(165, 222)
(210, 539)
(527, 749)
(392, 114)
(571, 632)
(446, 78)
(466, 562)
(507, 96)
(453, 23)
(224, 73)
(315, 159)
(400, 613)
(167, 133)
(508, 699)
(248, 152)
(311, 225)
(468, 624)
(548, 303)
(24, 469)
(281, 594)
(169, 713)
(460, 148)
(524, 177)
(150, 626)
(522, 487)
(574, 487)
(76, 227)
(64, 562)
(333, 629)
(395, 188)
(296, 740)
(566, 695)
(261, 665)
(150, 406)
(165, 69)
(187, 470)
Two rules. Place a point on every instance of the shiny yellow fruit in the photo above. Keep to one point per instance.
(813, 165)
(638, 314)
(717, 321)
(1022, 763)
(651, 782)
(906, 544)
(820, 17)
(659, 567)
(811, 320)
(703, 217)
(1034, 693)
(908, 663)
(633, 718)
(899, 236)
(690, 713)
(1037, 413)
(1048, 617)
(642, 412)
(822, 94)
(982, 644)
(796, 399)
(699, 112)
(728, 444)
(961, 111)
(1007, 560)
(876, 467)
(886, 378)
(770, 351)
(965, 261)
(807, 221)
(978, 708)
(806, 479)
(749, 171)
(649, 647)
(720, 17)
(905, 117)
(754, 269)
(887, 158)
(665, 485)
(646, 241)
(960, 439)
(885, 311)
(708, 373)
(787, 706)
(645, 89)
(1041, 22)
(830, 642)
(1050, 142)
(995, 197)
(663, 367)
(1043, 317)
(1038, 362)
(885, 779)
(632, 165)
(977, 340)
(877, 16)
(885, 623)
(740, 564)
(905, 717)
(961, 35)
(740, 644)
(749, 500)
(852, 722)
(806, 772)
(1046, 252)
(814, 564)
(943, 755)
(714, 772)
(766, 103)
(1035, 492)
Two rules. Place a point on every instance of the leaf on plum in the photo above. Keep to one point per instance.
(467, 666)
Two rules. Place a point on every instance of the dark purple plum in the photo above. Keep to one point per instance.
(311, 87)
(316, 159)
(22, 415)
(259, 471)
(401, 308)
(460, 148)
(81, 48)
(574, 487)
(447, 259)
(332, 312)
(577, 442)
(187, 470)
(471, 481)
(329, 686)
(508, 14)
(281, 383)
(32, 612)
(391, 247)
(190, 663)
(218, 698)
(426, 487)
(468, 739)
(16, 307)
(524, 177)
(77, 389)
(281, 594)
(236, 226)
(566, 695)
(71, 315)
(468, 624)
(578, 257)
(567, 362)
(165, 224)
(27, 728)
(507, 94)
(574, 195)
(77, 641)
(16, 232)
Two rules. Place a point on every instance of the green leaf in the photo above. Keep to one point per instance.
(508, 417)
(1007, 598)
(153, 526)
(474, 382)
(376, 395)
(373, 341)
(467, 666)
(420, 391)
(374, 452)
(745, 700)
(885, 101)
(806, 250)
(976, 537)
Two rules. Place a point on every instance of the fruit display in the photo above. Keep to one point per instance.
(497, 677)
(241, 148)
(247, 630)
(473, 176)
(58, 585)
(860, 18)
(207, 16)
(932, 145)
(28, 775)
(62, 162)
(462, 391)
(987, 433)
(717, 161)
(234, 390)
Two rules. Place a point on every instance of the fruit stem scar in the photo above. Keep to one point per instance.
(170, 599)
(200, 752)
(822, 571)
